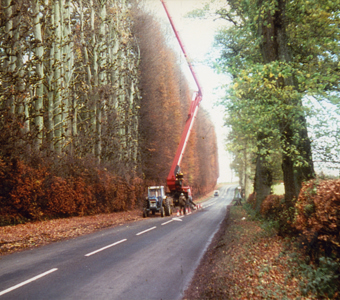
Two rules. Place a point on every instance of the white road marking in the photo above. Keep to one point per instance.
(152, 228)
(27, 281)
(101, 249)
(173, 219)
(167, 222)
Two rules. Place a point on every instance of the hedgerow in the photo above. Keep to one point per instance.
(313, 222)
(318, 217)
(45, 189)
(272, 206)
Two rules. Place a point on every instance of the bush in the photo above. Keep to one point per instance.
(25, 190)
(84, 198)
(45, 188)
(318, 217)
(272, 206)
(275, 209)
(252, 200)
(60, 199)
(322, 281)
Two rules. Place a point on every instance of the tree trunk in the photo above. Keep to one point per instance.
(246, 169)
(95, 100)
(57, 79)
(50, 84)
(291, 187)
(305, 172)
(275, 48)
(20, 85)
(263, 175)
(9, 64)
(67, 74)
(39, 51)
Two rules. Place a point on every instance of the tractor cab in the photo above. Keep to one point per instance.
(155, 201)
(156, 192)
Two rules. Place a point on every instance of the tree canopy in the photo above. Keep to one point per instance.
(279, 54)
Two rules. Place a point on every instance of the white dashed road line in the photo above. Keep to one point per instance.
(167, 222)
(152, 228)
(89, 254)
(109, 246)
(26, 282)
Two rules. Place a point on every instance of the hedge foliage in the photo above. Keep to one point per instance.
(272, 206)
(318, 216)
(44, 189)
(315, 216)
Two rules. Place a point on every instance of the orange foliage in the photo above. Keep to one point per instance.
(84, 197)
(136, 192)
(161, 120)
(207, 171)
(318, 214)
(60, 198)
(164, 111)
(32, 193)
(27, 190)
(272, 206)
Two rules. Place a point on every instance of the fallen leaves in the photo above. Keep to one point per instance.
(247, 264)
(29, 235)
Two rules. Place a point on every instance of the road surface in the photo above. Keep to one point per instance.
(151, 259)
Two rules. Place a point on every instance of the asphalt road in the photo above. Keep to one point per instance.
(151, 259)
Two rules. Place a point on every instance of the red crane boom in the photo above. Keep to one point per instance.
(174, 179)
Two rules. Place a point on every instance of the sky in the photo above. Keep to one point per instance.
(197, 35)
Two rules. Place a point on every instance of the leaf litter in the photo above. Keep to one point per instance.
(35, 234)
(245, 262)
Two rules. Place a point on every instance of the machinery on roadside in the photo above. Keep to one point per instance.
(157, 201)
(179, 195)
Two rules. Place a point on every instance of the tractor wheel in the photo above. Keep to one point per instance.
(162, 211)
(167, 208)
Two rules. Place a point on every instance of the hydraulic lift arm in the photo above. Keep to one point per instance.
(175, 168)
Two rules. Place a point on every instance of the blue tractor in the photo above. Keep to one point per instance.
(157, 201)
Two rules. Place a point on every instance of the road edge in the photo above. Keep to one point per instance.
(205, 261)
